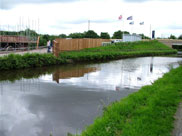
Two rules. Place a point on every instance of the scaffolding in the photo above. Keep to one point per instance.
(22, 36)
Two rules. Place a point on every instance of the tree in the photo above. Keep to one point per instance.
(104, 35)
(119, 34)
(91, 34)
(144, 37)
(45, 38)
(172, 37)
(180, 37)
(76, 35)
(42, 41)
(62, 36)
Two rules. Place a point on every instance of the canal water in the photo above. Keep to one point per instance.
(36, 102)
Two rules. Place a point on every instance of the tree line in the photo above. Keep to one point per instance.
(87, 34)
(174, 37)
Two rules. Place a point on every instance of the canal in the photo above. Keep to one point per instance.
(62, 99)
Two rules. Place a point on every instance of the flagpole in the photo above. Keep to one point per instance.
(120, 19)
(150, 31)
(88, 25)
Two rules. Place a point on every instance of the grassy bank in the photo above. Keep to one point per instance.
(148, 112)
(16, 61)
(118, 51)
(111, 52)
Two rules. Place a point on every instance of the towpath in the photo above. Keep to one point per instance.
(178, 122)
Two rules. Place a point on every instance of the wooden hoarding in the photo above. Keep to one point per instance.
(76, 44)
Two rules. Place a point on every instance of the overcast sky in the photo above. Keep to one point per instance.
(68, 16)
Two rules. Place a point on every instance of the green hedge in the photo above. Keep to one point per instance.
(148, 112)
(15, 61)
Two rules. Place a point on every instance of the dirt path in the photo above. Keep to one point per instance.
(178, 122)
(23, 52)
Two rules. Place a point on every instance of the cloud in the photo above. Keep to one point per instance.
(175, 27)
(83, 21)
(139, 1)
(8, 4)
(62, 27)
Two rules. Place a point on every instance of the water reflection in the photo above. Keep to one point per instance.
(127, 73)
(34, 104)
(71, 71)
(47, 107)
(74, 72)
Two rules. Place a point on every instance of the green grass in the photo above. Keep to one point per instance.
(118, 51)
(148, 112)
(142, 45)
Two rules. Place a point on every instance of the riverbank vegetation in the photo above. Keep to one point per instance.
(118, 51)
(16, 61)
(104, 53)
(148, 112)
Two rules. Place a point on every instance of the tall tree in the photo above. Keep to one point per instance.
(62, 36)
(172, 37)
(91, 34)
(76, 35)
(104, 35)
(144, 37)
(119, 34)
(180, 37)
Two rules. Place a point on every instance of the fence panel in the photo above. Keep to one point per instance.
(76, 44)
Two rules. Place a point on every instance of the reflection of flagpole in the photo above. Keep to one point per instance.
(123, 30)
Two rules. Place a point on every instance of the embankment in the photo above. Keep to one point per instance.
(148, 112)
(111, 52)
(118, 51)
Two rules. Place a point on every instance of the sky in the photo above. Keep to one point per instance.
(70, 16)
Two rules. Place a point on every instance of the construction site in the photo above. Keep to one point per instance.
(20, 37)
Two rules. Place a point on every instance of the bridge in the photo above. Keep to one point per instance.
(176, 44)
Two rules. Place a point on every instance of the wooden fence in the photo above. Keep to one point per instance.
(76, 44)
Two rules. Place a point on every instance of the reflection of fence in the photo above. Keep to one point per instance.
(76, 72)
(76, 44)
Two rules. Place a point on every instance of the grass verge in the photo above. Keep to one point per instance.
(148, 112)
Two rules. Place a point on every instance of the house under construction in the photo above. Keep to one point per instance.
(15, 42)
(20, 36)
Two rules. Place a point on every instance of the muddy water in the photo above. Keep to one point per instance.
(64, 99)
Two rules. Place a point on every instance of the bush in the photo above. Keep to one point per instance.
(15, 61)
